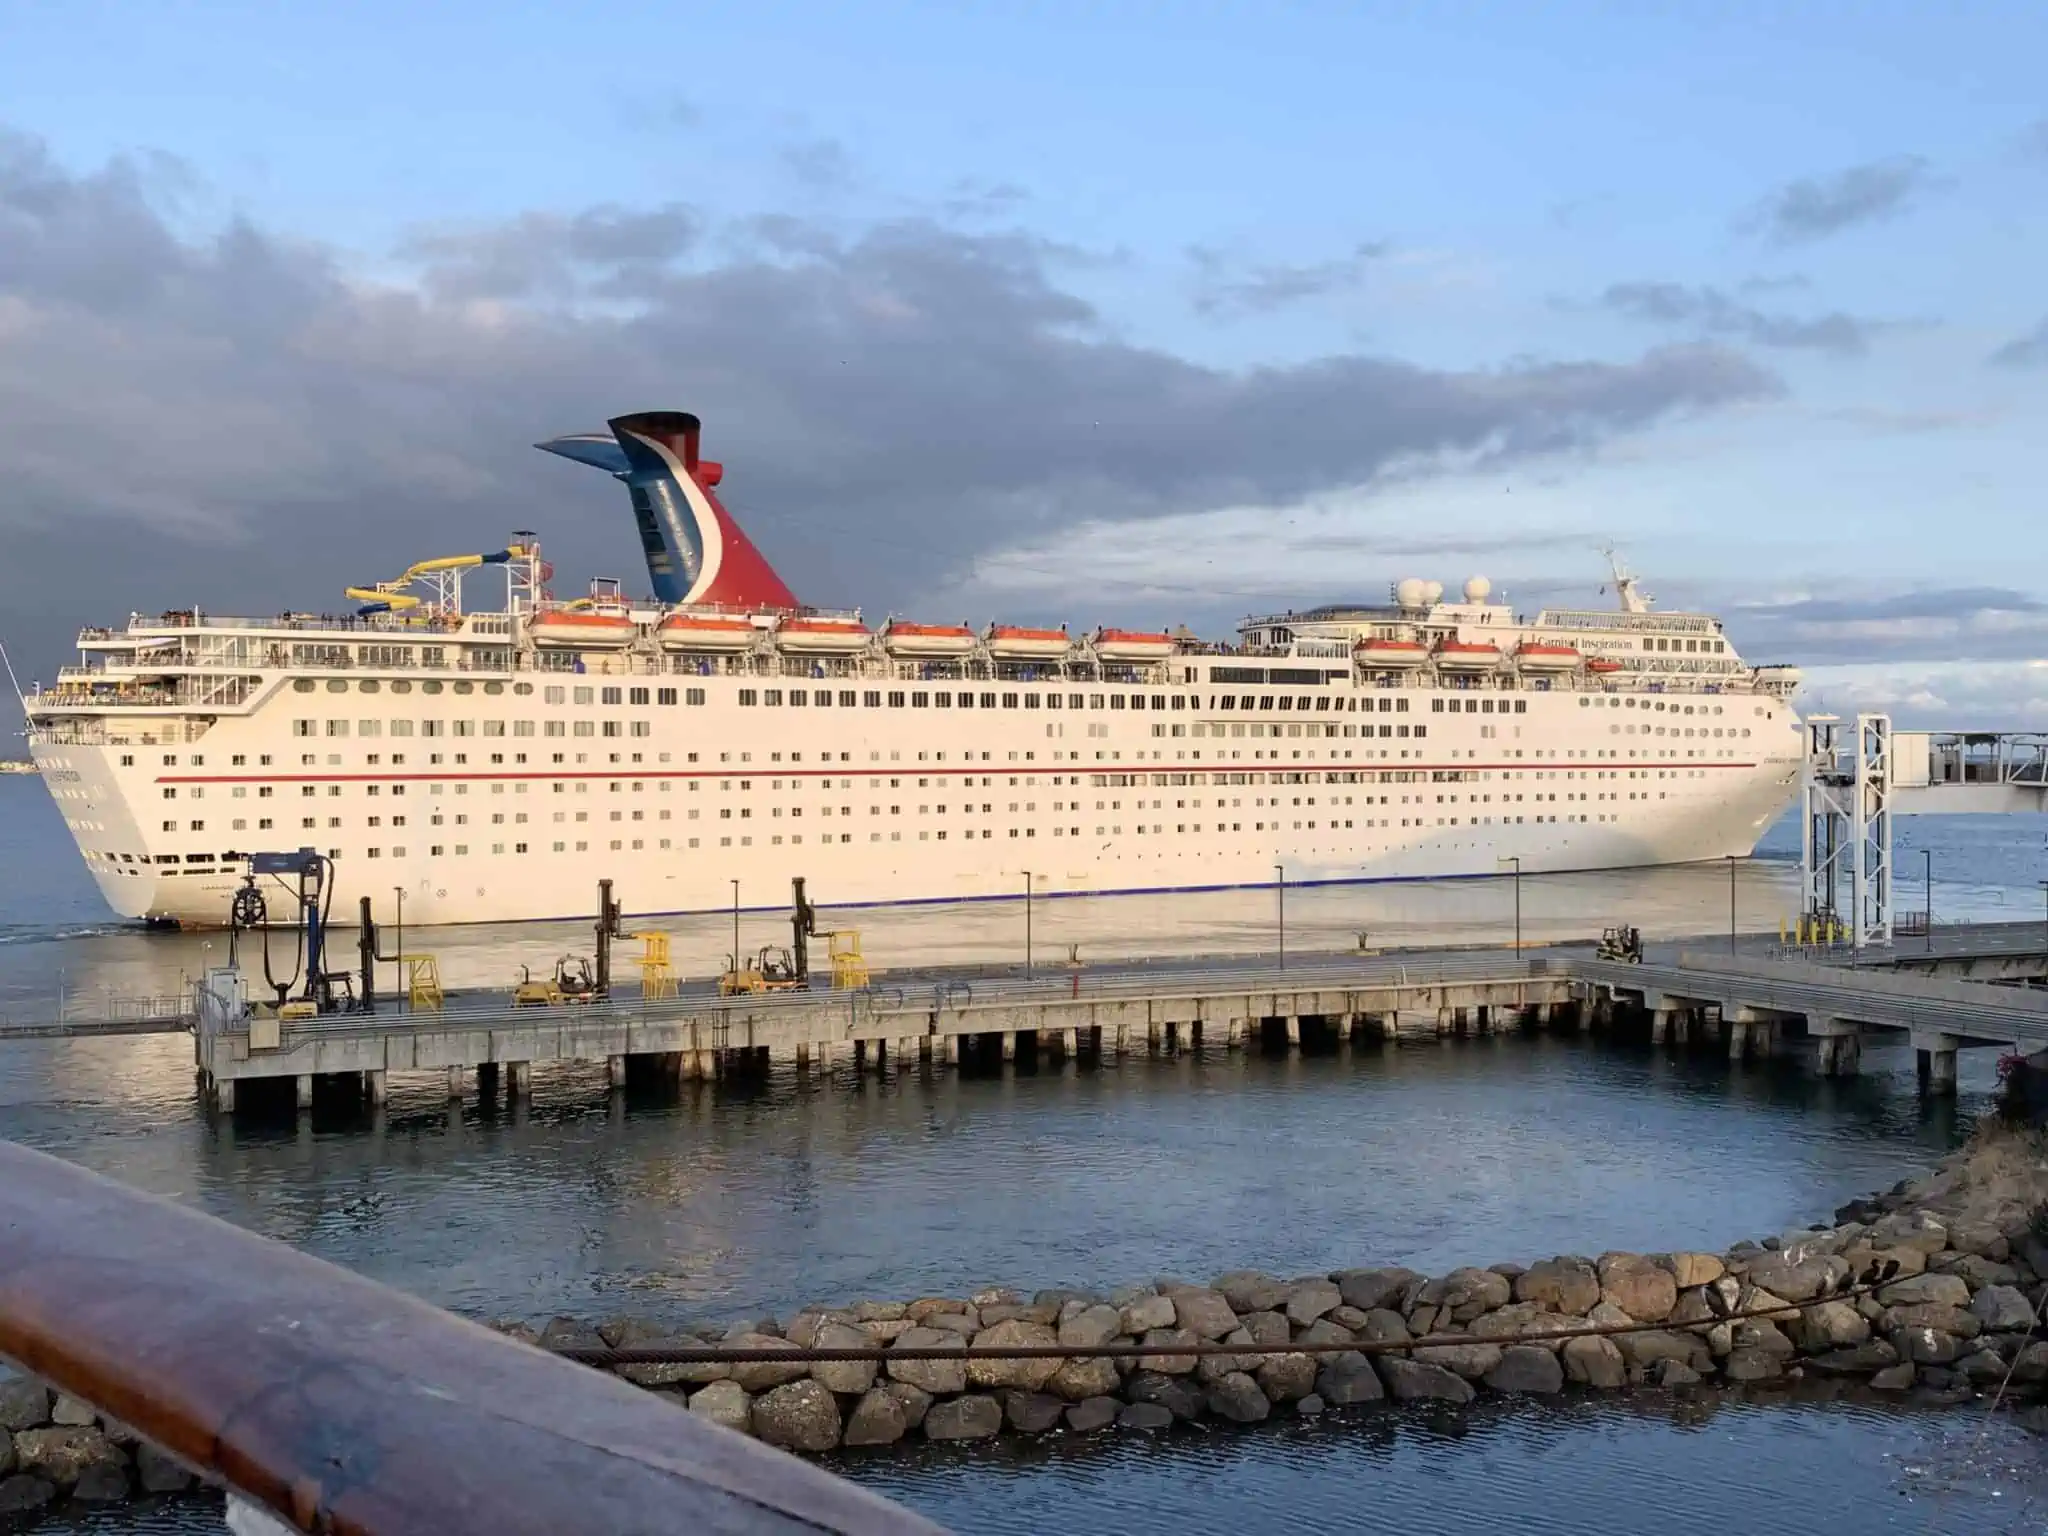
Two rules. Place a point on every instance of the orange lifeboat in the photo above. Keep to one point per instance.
(1383, 655)
(1539, 656)
(1601, 666)
(1132, 645)
(1010, 642)
(585, 631)
(1466, 656)
(901, 639)
(705, 632)
(822, 637)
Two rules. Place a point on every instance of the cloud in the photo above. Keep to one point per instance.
(1934, 624)
(819, 165)
(1814, 207)
(1939, 696)
(245, 422)
(2026, 351)
(2033, 143)
(1709, 311)
(1262, 289)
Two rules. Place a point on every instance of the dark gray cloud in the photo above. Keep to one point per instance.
(1221, 288)
(2025, 351)
(1815, 207)
(1711, 312)
(239, 422)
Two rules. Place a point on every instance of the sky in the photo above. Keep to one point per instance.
(1111, 312)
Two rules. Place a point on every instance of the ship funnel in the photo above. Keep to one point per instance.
(695, 552)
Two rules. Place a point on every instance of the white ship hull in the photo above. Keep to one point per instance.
(911, 815)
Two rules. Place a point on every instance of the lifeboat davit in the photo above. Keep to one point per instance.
(901, 639)
(1465, 656)
(822, 637)
(1601, 666)
(1390, 655)
(1010, 642)
(705, 632)
(586, 631)
(1537, 656)
(1133, 645)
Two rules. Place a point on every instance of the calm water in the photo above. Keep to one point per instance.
(709, 1204)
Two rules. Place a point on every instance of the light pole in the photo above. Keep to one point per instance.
(1516, 860)
(1027, 922)
(398, 951)
(1280, 891)
(1927, 854)
(1731, 903)
(2044, 907)
(736, 927)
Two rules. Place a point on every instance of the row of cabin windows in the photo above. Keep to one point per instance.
(921, 698)
(552, 694)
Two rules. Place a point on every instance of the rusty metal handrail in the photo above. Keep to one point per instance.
(348, 1408)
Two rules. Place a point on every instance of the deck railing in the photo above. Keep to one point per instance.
(341, 1406)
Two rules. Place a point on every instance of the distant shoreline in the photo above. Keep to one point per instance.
(16, 765)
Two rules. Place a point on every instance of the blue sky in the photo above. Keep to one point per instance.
(1837, 215)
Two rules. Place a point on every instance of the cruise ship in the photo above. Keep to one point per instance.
(710, 741)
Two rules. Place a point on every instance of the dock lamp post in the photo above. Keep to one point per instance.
(1927, 855)
(1731, 903)
(2044, 907)
(736, 927)
(1280, 893)
(1027, 922)
(1516, 860)
(398, 951)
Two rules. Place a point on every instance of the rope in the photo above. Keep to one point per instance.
(718, 1354)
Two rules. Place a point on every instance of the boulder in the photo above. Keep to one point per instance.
(877, 1419)
(1520, 1320)
(61, 1455)
(1089, 1326)
(24, 1404)
(1863, 1259)
(1384, 1326)
(1311, 1407)
(1323, 1331)
(1672, 1374)
(1594, 1362)
(941, 1378)
(1249, 1291)
(1205, 1314)
(997, 1296)
(1639, 1286)
(1919, 1229)
(1348, 1317)
(888, 1332)
(1094, 1413)
(1932, 1314)
(1348, 1378)
(1926, 1346)
(2031, 1367)
(1033, 1413)
(762, 1375)
(880, 1311)
(1753, 1365)
(1177, 1395)
(1368, 1289)
(1214, 1367)
(22, 1494)
(976, 1416)
(72, 1412)
(1761, 1334)
(1859, 1360)
(1469, 1292)
(1146, 1313)
(1471, 1361)
(1526, 1368)
(1023, 1375)
(1791, 1279)
(1566, 1285)
(1267, 1328)
(1642, 1350)
(1151, 1416)
(669, 1374)
(2002, 1309)
(965, 1324)
(6, 1453)
(1945, 1290)
(1975, 1269)
(852, 1377)
(724, 1403)
(1310, 1300)
(1168, 1364)
(1286, 1378)
(1410, 1381)
(1982, 1368)
(1238, 1398)
(570, 1333)
(1894, 1378)
(1691, 1269)
(915, 1400)
(103, 1482)
(1830, 1325)
(1022, 1312)
(930, 1306)
(1980, 1239)
(1083, 1377)
(1755, 1299)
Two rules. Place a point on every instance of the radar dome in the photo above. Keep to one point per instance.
(1412, 593)
(1478, 590)
(1433, 592)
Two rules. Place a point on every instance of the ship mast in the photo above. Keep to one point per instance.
(1633, 598)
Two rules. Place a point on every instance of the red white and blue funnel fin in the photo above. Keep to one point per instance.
(695, 552)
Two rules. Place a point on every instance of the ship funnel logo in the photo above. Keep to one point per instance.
(695, 552)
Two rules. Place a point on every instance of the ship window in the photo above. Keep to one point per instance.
(1053, 701)
(693, 695)
(430, 687)
(798, 696)
(846, 698)
(749, 697)
(1521, 706)
(988, 701)
(895, 699)
(771, 696)
(554, 694)
(942, 701)
(639, 696)
(614, 696)
(871, 698)
(302, 685)
(920, 701)
(1116, 701)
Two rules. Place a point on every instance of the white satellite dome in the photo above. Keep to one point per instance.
(1433, 592)
(1478, 590)
(1412, 592)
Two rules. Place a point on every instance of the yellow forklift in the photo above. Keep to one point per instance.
(576, 979)
(775, 969)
